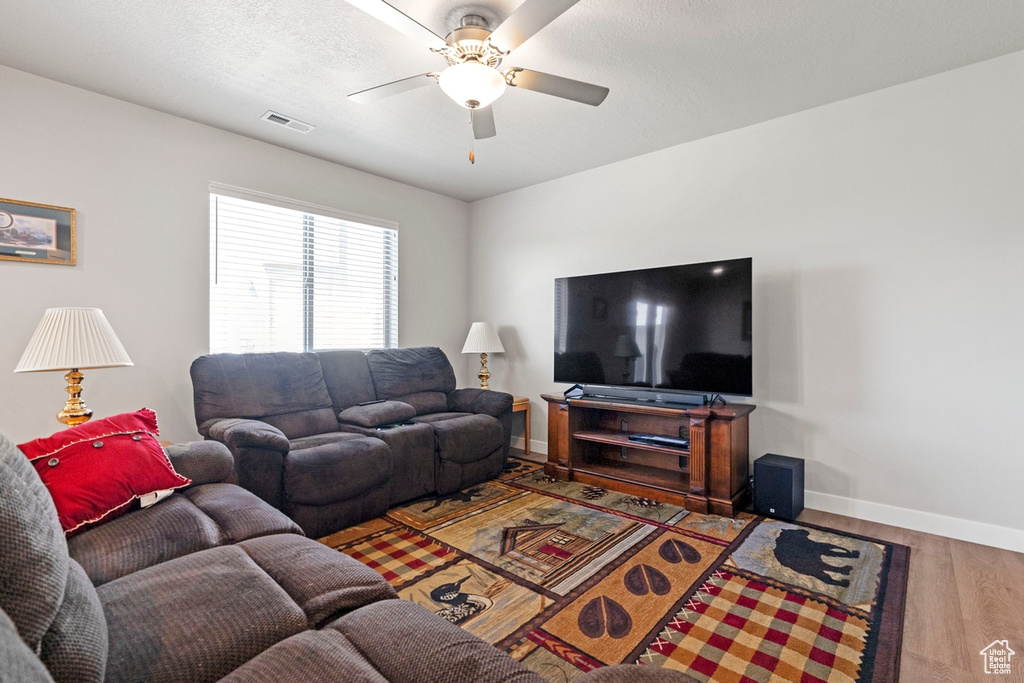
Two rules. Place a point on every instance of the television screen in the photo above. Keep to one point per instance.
(683, 328)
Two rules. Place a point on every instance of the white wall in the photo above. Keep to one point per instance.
(888, 245)
(139, 182)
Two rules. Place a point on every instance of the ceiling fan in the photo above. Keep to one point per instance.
(474, 53)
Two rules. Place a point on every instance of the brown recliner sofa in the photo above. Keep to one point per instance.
(337, 437)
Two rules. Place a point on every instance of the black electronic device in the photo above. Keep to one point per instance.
(658, 334)
(370, 403)
(779, 486)
(659, 440)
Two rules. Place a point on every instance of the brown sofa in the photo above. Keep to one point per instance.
(214, 584)
(337, 437)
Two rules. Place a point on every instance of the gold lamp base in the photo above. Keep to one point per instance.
(484, 373)
(75, 411)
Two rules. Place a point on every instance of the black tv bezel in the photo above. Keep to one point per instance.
(611, 391)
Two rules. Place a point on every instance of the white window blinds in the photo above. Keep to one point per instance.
(290, 277)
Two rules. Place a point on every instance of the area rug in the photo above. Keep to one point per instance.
(567, 578)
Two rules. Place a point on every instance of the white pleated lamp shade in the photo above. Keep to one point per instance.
(482, 339)
(73, 339)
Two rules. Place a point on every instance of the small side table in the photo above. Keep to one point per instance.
(522, 404)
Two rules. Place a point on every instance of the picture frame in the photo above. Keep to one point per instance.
(36, 233)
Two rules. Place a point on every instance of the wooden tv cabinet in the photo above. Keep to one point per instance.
(588, 442)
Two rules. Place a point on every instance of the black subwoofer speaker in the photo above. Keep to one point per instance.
(779, 486)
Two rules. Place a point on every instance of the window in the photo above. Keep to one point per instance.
(285, 276)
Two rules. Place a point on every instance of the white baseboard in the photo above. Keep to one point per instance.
(994, 535)
(537, 448)
(928, 522)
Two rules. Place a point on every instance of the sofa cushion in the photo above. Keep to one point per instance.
(283, 389)
(322, 581)
(199, 518)
(75, 647)
(319, 440)
(33, 551)
(377, 414)
(336, 471)
(426, 402)
(17, 662)
(468, 438)
(347, 375)
(438, 417)
(96, 470)
(195, 618)
(239, 514)
(399, 372)
(311, 657)
(432, 649)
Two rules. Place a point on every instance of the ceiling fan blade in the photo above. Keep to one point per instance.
(393, 88)
(401, 22)
(530, 17)
(566, 88)
(483, 123)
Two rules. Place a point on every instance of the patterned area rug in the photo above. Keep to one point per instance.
(567, 578)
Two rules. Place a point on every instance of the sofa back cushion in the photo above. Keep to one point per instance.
(402, 372)
(17, 662)
(348, 379)
(76, 646)
(284, 389)
(33, 552)
(46, 595)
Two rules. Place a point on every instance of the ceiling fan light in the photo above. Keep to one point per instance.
(472, 84)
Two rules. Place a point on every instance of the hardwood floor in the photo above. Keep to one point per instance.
(960, 597)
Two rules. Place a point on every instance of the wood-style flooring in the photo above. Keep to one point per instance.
(960, 597)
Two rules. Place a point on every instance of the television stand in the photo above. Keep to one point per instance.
(589, 442)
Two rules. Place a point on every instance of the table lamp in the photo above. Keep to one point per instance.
(73, 339)
(483, 339)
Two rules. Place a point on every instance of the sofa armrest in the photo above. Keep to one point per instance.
(239, 433)
(204, 462)
(482, 401)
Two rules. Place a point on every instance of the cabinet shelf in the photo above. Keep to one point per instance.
(629, 473)
(622, 439)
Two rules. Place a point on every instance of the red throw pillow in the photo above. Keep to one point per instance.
(95, 470)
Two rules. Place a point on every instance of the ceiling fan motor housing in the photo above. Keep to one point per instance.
(469, 42)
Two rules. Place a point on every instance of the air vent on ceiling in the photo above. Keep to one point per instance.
(287, 122)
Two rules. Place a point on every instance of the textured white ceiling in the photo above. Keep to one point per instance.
(678, 70)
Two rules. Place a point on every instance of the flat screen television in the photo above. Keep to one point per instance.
(682, 329)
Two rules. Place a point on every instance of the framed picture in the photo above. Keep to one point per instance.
(37, 233)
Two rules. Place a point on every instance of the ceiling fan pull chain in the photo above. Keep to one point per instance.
(472, 138)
